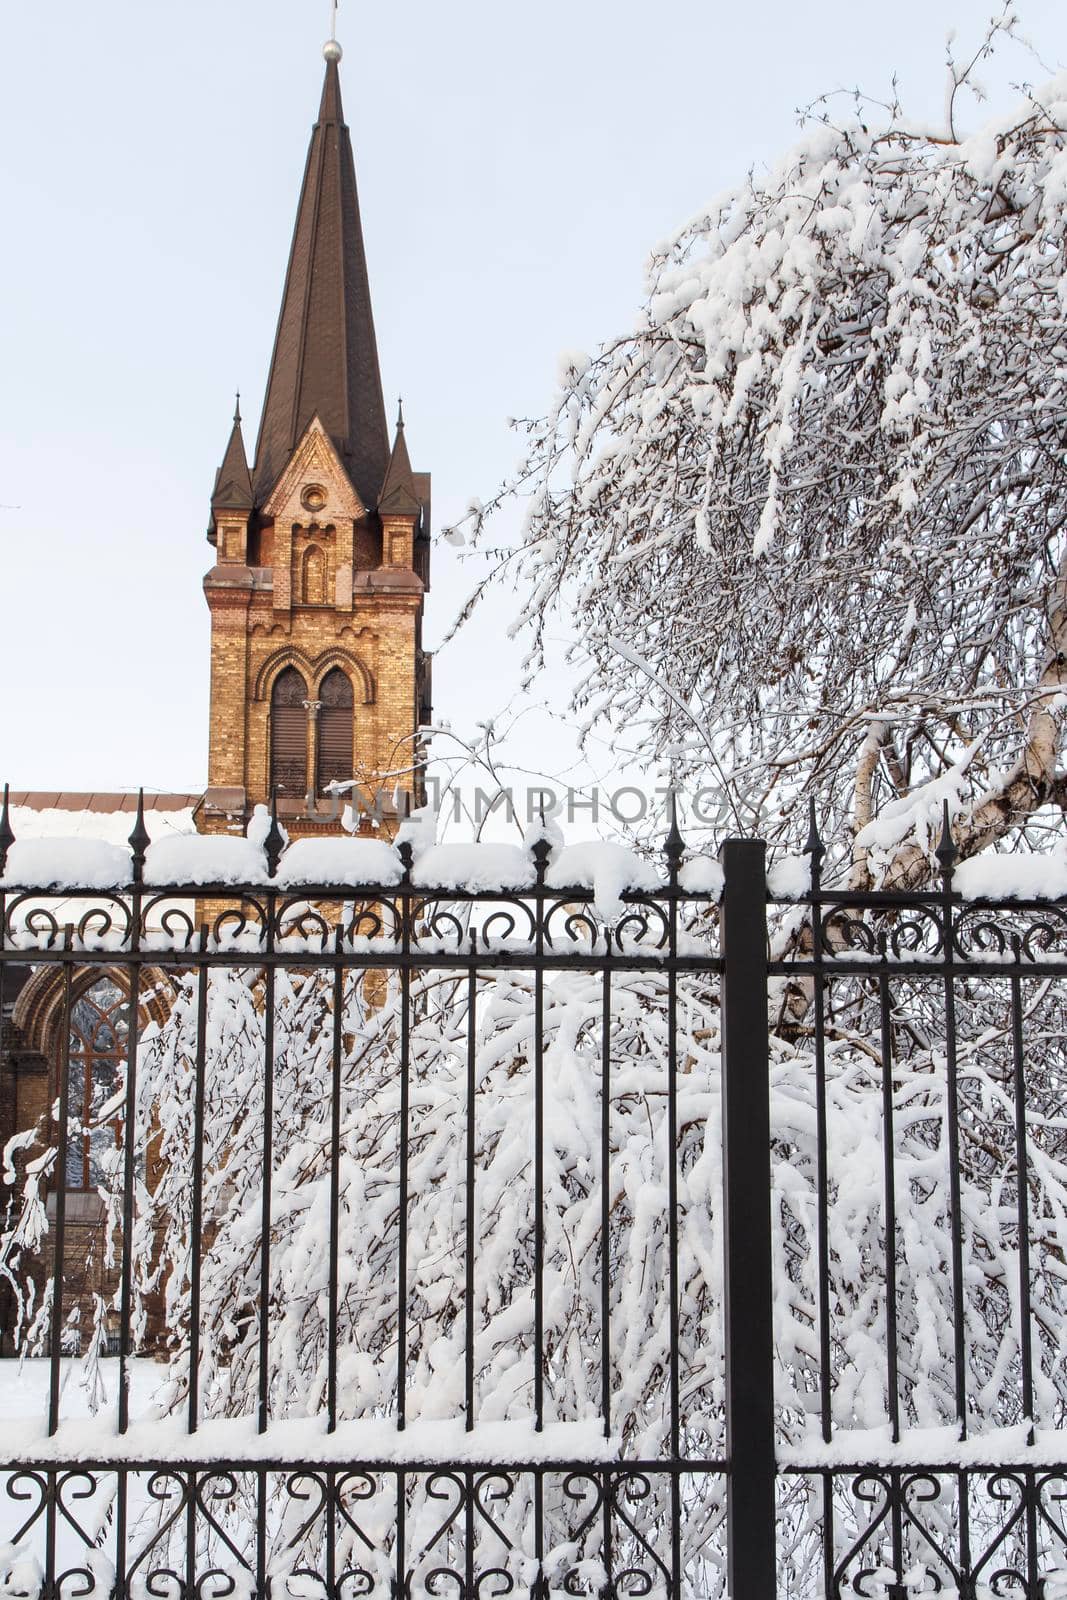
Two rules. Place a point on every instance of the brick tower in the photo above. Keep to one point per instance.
(322, 547)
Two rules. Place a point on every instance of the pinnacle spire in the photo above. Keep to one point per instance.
(233, 481)
(325, 359)
(399, 493)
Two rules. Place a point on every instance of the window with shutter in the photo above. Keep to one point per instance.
(288, 734)
(335, 729)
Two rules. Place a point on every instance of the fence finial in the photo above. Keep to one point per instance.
(405, 849)
(946, 851)
(674, 844)
(813, 845)
(275, 843)
(7, 835)
(541, 849)
(139, 840)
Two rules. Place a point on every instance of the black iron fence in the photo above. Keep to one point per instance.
(506, 1240)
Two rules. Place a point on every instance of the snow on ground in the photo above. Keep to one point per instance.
(82, 1436)
(24, 1390)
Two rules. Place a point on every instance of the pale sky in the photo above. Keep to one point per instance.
(515, 164)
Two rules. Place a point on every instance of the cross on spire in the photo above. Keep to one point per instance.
(333, 20)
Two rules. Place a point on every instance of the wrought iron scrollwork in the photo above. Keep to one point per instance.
(164, 1485)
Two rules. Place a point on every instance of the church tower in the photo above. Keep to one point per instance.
(322, 547)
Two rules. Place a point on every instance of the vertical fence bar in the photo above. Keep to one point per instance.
(262, 1579)
(605, 1205)
(823, 1188)
(889, 1183)
(60, 1237)
(400, 1579)
(196, 1242)
(539, 1190)
(265, 1216)
(815, 851)
(1022, 1199)
(946, 854)
(128, 1179)
(750, 1507)
(122, 1491)
(674, 1319)
(468, 1339)
(405, 1141)
(955, 1201)
(331, 1531)
(335, 1183)
(56, 1327)
(468, 1534)
(190, 1534)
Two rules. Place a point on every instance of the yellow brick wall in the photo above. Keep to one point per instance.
(260, 624)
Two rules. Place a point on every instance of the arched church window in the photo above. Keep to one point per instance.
(288, 733)
(313, 581)
(335, 729)
(98, 1036)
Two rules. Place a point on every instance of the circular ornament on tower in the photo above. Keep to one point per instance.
(313, 498)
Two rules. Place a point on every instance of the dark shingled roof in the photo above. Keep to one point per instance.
(98, 802)
(233, 483)
(325, 355)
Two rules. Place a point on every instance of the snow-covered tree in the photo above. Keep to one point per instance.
(807, 519)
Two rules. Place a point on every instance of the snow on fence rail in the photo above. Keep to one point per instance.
(531, 1221)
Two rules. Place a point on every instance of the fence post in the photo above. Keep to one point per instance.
(750, 1502)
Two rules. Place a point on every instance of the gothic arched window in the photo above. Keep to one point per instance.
(313, 578)
(288, 733)
(98, 1031)
(335, 729)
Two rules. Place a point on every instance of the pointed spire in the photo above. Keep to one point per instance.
(325, 358)
(233, 481)
(399, 494)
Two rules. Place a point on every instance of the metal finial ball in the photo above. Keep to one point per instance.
(332, 51)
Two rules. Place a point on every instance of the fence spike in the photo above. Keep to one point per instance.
(541, 849)
(405, 849)
(275, 844)
(139, 840)
(946, 851)
(7, 835)
(813, 845)
(674, 845)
